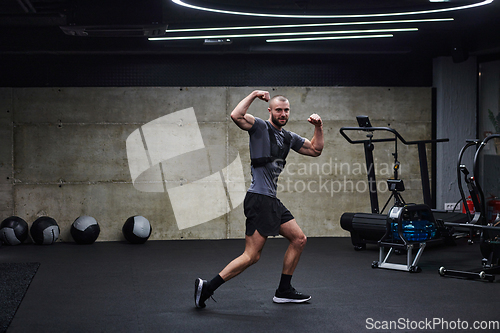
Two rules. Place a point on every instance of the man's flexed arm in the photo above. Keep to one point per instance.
(315, 146)
(240, 116)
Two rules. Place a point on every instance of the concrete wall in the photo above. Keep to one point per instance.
(64, 154)
(6, 150)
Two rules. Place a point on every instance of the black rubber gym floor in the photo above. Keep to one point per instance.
(119, 287)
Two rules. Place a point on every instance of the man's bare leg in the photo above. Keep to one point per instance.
(285, 292)
(253, 249)
(291, 231)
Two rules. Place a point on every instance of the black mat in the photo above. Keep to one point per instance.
(119, 287)
(14, 282)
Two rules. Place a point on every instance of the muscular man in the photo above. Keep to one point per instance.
(266, 215)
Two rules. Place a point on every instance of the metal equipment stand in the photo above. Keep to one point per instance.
(399, 242)
(411, 264)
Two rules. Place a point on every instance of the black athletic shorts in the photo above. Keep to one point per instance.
(264, 214)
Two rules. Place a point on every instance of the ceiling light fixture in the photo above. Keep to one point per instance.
(285, 34)
(306, 25)
(430, 11)
(325, 38)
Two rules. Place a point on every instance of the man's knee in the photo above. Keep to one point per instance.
(300, 241)
(252, 258)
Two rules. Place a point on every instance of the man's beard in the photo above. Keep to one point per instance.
(277, 123)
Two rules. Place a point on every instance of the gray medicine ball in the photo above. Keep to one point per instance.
(136, 229)
(85, 230)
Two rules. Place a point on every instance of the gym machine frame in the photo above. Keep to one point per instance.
(395, 185)
(371, 227)
(491, 255)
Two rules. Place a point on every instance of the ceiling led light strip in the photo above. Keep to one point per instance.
(313, 25)
(286, 34)
(326, 38)
(430, 11)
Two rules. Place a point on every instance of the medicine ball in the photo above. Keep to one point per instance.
(85, 230)
(136, 229)
(13, 230)
(44, 231)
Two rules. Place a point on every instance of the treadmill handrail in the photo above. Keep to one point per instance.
(368, 143)
(388, 129)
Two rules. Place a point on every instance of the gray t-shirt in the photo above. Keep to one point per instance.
(265, 179)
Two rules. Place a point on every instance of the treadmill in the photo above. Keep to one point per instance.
(371, 227)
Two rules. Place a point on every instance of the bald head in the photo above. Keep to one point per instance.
(276, 98)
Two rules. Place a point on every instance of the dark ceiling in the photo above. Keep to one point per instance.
(123, 27)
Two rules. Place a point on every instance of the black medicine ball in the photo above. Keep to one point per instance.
(44, 230)
(13, 230)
